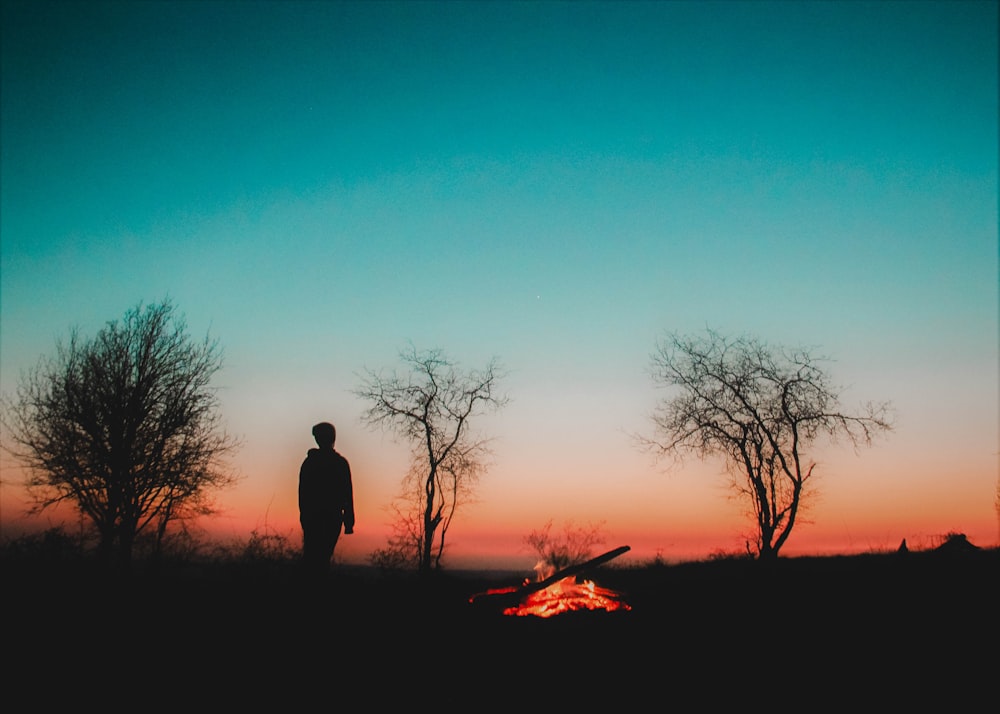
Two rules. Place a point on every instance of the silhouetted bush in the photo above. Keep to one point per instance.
(393, 559)
(54, 544)
(267, 548)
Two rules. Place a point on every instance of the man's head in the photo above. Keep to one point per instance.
(325, 434)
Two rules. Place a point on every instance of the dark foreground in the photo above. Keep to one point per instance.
(873, 633)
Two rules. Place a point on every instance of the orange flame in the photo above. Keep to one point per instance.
(567, 595)
(556, 592)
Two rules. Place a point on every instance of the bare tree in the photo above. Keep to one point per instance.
(430, 405)
(125, 427)
(759, 408)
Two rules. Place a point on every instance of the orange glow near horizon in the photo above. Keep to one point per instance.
(504, 549)
(662, 517)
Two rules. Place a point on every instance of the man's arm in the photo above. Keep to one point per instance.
(303, 492)
(348, 500)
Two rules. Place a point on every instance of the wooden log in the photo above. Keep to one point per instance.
(516, 595)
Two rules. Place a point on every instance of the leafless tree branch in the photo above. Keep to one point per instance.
(759, 408)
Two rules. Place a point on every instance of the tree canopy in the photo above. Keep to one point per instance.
(125, 426)
(431, 404)
(759, 408)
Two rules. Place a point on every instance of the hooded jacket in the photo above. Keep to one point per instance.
(325, 488)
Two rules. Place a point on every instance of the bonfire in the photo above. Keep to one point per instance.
(554, 593)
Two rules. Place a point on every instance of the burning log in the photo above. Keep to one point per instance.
(511, 596)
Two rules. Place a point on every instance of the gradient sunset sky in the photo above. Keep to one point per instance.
(557, 185)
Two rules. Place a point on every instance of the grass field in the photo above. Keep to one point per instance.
(880, 632)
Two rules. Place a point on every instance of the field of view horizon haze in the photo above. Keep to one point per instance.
(557, 186)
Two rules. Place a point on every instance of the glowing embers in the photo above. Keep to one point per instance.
(558, 593)
(567, 595)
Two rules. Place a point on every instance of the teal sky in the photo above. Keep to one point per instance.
(553, 184)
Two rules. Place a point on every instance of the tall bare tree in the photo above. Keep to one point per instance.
(125, 427)
(430, 404)
(759, 408)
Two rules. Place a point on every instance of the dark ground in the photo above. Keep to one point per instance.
(880, 632)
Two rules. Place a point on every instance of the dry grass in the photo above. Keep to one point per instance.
(833, 629)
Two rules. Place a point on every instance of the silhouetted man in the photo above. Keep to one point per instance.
(326, 499)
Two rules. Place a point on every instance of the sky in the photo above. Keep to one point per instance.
(557, 185)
